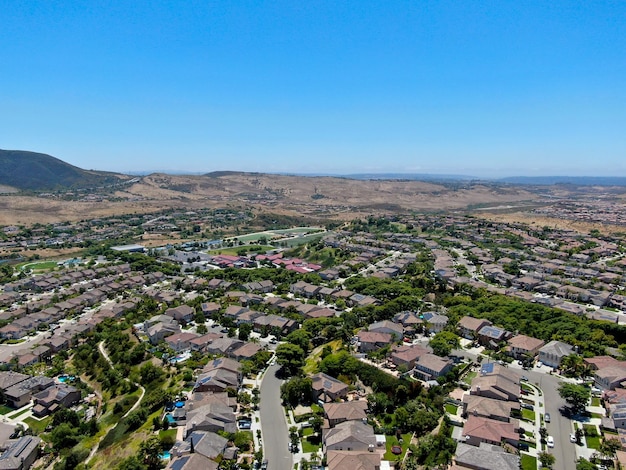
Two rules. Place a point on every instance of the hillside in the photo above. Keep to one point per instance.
(33, 171)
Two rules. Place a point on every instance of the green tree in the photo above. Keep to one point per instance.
(609, 447)
(291, 357)
(297, 390)
(577, 396)
(444, 342)
(149, 451)
(64, 436)
(244, 331)
(131, 463)
(150, 373)
(300, 338)
(546, 459)
(584, 464)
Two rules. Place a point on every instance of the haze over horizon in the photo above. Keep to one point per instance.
(449, 87)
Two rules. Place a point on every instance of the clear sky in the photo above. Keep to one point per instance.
(483, 88)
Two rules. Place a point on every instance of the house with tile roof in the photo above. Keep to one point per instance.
(524, 346)
(478, 429)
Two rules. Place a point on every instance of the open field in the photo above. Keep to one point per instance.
(315, 197)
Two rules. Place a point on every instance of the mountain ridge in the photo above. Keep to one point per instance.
(34, 171)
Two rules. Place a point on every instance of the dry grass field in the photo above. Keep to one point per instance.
(320, 197)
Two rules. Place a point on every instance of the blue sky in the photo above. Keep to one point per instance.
(484, 88)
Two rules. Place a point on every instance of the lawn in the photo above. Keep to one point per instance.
(592, 437)
(310, 441)
(301, 240)
(528, 415)
(451, 408)
(527, 387)
(469, 377)
(528, 462)
(249, 249)
(38, 426)
(5, 409)
(170, 433)
(595, 401)
(16, 415)
(40, 266)
(392, 441)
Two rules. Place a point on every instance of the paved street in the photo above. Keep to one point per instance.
(559, 427)
(273, 423)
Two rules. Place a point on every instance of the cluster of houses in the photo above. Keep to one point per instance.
(203, 414)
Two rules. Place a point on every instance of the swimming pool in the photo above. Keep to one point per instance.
(170, 418)
(165, 455)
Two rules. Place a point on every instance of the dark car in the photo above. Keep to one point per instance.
(523, 446)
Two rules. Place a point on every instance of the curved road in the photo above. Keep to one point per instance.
(273, 423)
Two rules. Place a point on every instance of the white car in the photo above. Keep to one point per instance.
(550, 441)
(572, 438)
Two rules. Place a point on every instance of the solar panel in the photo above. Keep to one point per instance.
(179, 463)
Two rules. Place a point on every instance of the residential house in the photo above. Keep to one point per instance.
(407, 356)
(182, 314)
(223, 346)
(496, 382)
(373, 340)
(484, 457)
(608, 371)
(327, 388)
(19, 454)
(470, 326)
(490, 335)
(434, 322)
(21, 393)
(387, 326)
(429, 367)
(210, 309)
(213, 417)
(349, 435)
(9, 378)
(352, 460)
(192, 462)
(246, 351)
(499, 410)
(553, 353)
(160, 331)
(478, 429)
(354, 410)
(205, 443)
(360, 300)
(52, 398)
(524, 346)
(410, 322)
(181, 341)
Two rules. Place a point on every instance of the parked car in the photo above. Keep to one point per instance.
(546, 417)
(527, 406)
(523, 378)
(572, 438)
(550, 441)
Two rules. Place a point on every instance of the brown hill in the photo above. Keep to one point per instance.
(319, 197)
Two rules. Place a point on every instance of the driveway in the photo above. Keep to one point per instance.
(273, 423)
